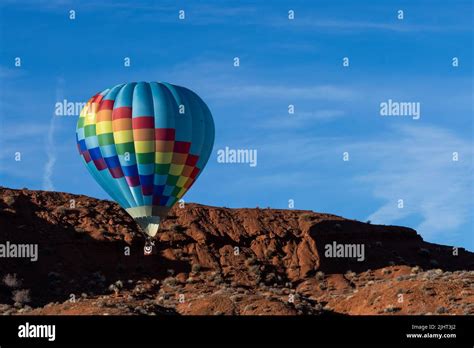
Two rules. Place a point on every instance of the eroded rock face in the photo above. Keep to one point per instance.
(210, 260)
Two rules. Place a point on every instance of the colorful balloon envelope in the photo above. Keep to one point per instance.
(145, 144)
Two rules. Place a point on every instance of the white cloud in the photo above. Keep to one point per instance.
(409, 162)
(359, 26)
(302, 119)
(417, 166)
(155, 11)
(51, 159)
(7, 73)
(50, 146)
(224, 85)
(316, 92)
(20, 131)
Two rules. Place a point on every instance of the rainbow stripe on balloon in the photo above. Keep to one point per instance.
(145, 143)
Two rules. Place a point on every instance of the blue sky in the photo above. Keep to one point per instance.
(282, 62)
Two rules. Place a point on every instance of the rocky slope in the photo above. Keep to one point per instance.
(209, 260)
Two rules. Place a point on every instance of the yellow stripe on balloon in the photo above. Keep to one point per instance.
(163, 157)
(89, 119)
(181, 192)
(181, 181)
(176, 169)
(125, 136)
(144, 146)
(104, 127)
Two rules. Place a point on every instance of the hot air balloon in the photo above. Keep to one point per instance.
(145, 144)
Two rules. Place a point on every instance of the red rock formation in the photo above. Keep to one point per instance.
(210, 260)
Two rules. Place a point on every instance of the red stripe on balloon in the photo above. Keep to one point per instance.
(147, 190)
(106, 105)
(100, 164)
(143, 122)
(98, 98)
(192, 160)
(116, 172)
(182, 147)
(122, 112)
(164, 134)
(132, 181)
(87, 156)
(194, 173)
